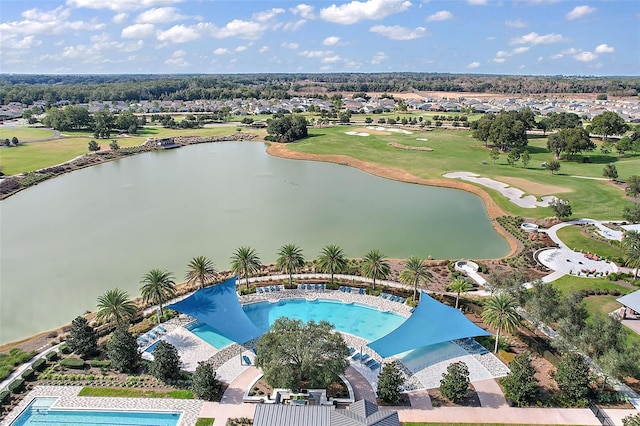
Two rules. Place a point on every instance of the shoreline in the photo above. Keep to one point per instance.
(493, 210)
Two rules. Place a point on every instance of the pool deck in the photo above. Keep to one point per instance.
(69, 399)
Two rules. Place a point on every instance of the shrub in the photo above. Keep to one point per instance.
(64, 349)
(39, 364)
(51, 356)
(390, 381)
(16, 386)
(100, 363)
(455, 382)
(4, 397)
(74, 363)
(166, 362)
(28, 374)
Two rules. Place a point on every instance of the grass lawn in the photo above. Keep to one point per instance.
(135, 393)
(456, 150)
(571, 283)
(604, 304)
(204, 421)
(24, 133)
(38, 155)
(573, 237)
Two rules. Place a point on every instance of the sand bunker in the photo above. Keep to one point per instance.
(514, 195)
(534, 187)
(356, 133)
(386, 129)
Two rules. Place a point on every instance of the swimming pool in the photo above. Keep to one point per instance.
(360, 320)
(40, 413)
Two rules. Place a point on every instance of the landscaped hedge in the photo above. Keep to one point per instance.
(75, 363)
(51, 356)
(99, 363)
(64, 349)
(39, 364)
(4, 397)
(28, 374)
(16, 386)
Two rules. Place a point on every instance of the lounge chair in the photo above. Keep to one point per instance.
(277, 288)
(161, 328)
(259, 290)
(483, 351)
(384, 295)
(246, 360)
(272, 288)
(370, 362)
(374, 366)
(322, 286)
(348, 289)
(351, 351)
(402, 299)
(356, 356)
(364, 358)
(316, 287)
(361, 291)
(266, 289)
(342, 288)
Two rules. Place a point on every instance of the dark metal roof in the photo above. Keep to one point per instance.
(631, 300)
(292, 415)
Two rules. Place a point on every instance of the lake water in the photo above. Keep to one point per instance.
(66, 241)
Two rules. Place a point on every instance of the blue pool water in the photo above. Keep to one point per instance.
(359, 320)
(38, 414)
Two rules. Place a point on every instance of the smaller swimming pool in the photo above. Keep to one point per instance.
(208, 334)
(40, 413)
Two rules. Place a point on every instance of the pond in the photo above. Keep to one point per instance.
(66, 241)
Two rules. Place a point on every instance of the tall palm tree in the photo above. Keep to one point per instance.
(115, 305)
(201, 270)
(459, 285)
(375, 266)
(290, 260)
(500, 312)
(331, 260)
(245, 261)
(415, 272)
(631, 247)
(158, 286)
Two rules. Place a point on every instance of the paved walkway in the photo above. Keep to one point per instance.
(490, 394)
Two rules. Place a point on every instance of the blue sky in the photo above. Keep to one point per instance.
(536, 37)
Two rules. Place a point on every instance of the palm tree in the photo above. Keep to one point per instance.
(459, 285)
(158, 286)
(415, 272)
(631, 247)
(290, 260)
(201, 270)
(245, 261)
(375, 266)
(500, 312)
(332, 260)
(115, 305)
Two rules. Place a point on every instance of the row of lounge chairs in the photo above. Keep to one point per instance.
(471, 346)
(267, 289)
(317, 287)
(151, 336)
(365, 359)
(393, 298)
(355, 290)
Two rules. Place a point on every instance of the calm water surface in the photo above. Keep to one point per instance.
(67, 240)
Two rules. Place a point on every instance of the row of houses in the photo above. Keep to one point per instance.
(627, 109)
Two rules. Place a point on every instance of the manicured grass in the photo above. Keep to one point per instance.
(602, 304)
(456, 150)
(573, 237)
(24, 134)
(571, 283)
(135, 393)
(203, 421)
(38, 155)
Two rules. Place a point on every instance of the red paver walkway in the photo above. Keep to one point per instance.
(361, 387)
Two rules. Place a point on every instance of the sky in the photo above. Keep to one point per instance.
(524, 37)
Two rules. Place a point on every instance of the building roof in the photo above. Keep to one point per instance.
(432, 322)
(631, 300)
(218, 307)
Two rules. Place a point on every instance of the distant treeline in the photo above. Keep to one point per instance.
(86, 88)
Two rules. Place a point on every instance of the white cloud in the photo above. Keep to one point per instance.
(294, 25)
(239, 28)
(177, 59)
(120, 18)
(378, 58)
(290, 45)
(240, 48)
(52, 22)
(26, 43)
(556, 56)
(120, 5)
(267, 15)
(179, 34)
(571, 51)
(535, 38)
(515, 23)
(519, 50)
(356, 11)
(331, 41)
(501, 55)
(160, 15)
(316, 53)
(442, 15)
(304, 10)
(473, 65)
(221, 51)
(585, 56)
(396, 32)
(604, 48)
(138, 31)
(263, 49)
(498, 60)
(580, 12)
(477, 2)
(331, 59)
